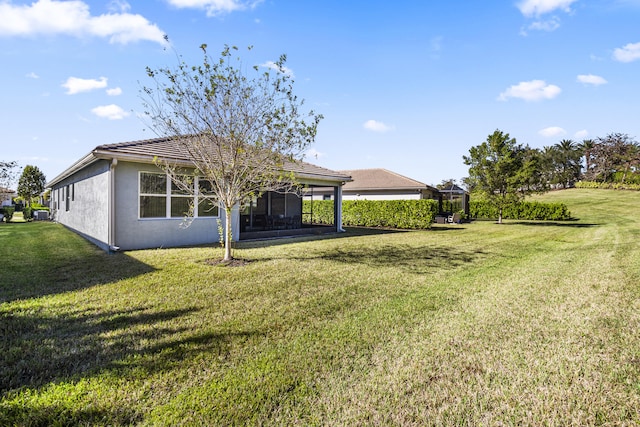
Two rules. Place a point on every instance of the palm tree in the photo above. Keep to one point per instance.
(569, 156)
(586, 148)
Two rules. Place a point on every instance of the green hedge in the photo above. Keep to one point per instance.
(7, 211)
(27, 213)
(321, 213)
(482, 209)
(407, 214)
(607, 185)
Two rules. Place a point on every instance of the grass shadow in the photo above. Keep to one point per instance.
(39, 348)
(37, 277)
(50, 415)
(411, 258)
(414, 259)
(570, 223)
(349, 232)
(43, 259)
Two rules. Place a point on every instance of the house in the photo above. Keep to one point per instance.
(117, 198)
(379, 184)
(6, 196)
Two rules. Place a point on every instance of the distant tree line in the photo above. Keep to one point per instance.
(504, 172)
(614, 158)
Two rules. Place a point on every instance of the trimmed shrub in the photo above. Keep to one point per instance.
(7, 211)
(39, 207)
(607, 185)
(27, 213)
(407, 214)
(629, 177)
(322, 212)
(482, 209)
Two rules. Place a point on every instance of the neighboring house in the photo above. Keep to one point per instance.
(6, 196)
(379, 184)
(117, 198)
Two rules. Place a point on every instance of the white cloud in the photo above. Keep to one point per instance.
(534, 90)
(590, 79)
(272, 65)
(376, 126)
(628, 53)
(114, 91)
(51, 17)
(548, 25)
(581, 134)
(552, 131)
(111, 112)
(312, 153)
(436, 43)
(76, 85)
(216, 7)
(435, 47)
(119, 6)
(32, 75)
(540, 7)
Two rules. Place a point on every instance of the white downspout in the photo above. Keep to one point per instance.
(338, 218)
(112, 205)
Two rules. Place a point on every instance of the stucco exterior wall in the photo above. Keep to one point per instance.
(81, 203)
(381, 195)
(378, 195)
(133, 232)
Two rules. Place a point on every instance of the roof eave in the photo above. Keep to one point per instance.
(100, 154)
(80, 164)
(391, 189)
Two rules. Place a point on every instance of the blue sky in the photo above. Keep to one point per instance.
(408, 86)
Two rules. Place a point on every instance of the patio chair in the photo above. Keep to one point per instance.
(454, 219)
(269, 222)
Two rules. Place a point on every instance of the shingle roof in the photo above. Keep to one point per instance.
(381, 179)
(165, 148)
(4, 190)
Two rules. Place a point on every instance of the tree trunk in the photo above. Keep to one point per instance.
(227, 235)
(500, 215)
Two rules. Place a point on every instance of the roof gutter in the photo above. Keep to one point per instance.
(83, 162)
(112, 206)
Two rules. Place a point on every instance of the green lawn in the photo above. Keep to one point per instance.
(526, 323)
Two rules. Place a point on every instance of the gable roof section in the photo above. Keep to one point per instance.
(453, 188)
(381, 180)
(144, 151)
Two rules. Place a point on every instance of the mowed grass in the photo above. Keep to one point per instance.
(528, 323)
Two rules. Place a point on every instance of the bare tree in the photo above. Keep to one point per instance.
(243, 134)
(7, 177)
(615, 153)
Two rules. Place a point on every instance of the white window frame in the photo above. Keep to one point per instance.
(168, 195)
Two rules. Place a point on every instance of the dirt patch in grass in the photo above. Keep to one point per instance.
(236, 262)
